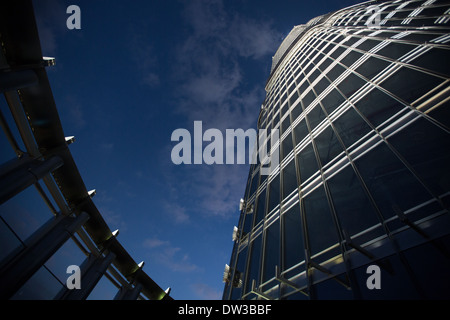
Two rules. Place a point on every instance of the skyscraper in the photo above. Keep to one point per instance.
(358, 207)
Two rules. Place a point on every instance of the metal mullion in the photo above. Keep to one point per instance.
(326, 188)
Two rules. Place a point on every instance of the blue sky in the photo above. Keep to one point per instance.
(135, 72)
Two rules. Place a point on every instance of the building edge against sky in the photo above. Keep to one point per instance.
(45, 178)
(361, 97)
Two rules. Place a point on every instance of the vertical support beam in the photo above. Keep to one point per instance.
(39, 248)
(92, 270)
(129, 293)
(25, 174)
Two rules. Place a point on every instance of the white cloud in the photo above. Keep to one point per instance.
(205, 292)
(170, 256)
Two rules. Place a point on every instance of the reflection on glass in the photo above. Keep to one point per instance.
(321, 229)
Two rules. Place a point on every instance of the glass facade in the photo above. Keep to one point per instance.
(364, 174)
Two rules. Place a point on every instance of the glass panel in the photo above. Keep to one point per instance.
(104, 290)
(8, 241)
(315, 116)
(240, 266)
(351, 57)
(274, 193)
(335, 72)
(442, 114)
(307, 163)
(300, 131)
(41, 286)
(271, 250)
(285, 124)
(426, 147)
(368, 44)
(372, 67)
(351, 84)
(390, 183)
(293, 248)
(286, 146)
(248, 221)
(26, 212)
(351, 127)
(289, 179)
(377, 106)
(308, 99)
(429, 58)
(261, 206)
(332, 290)
(328, 146)
(321, 86)
(409, 84)
(253, 269)
(430, 268)
(320, 226)
(68, 254)
(395, 50)
(352, 206)
(332, 101)
(254, 184)
(293, 98)
(296, 111)
(395, 285)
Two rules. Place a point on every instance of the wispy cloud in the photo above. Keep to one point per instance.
(209, 68)
(205, 292)
(170, 256)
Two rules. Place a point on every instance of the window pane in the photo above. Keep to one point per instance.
(351, 84)
(395, 50)
(293, 250)
(409, 84)
(390, 183)
(104, 290)
(315, 116)
(41, 286)
(377, 106)
(271, 250)
(427, 148)
(328, 146)
(254, 185)
(351, 204)
(240, 266)
(274, 193)
(321, 229)
(350, 58)
(260, 206)
(253, 268)
(307, 162)
(286, 146)
(26, 212)
(9, 242)
(300, 131)
(289, 179)
(351, 127)
(372, 67)
(332, 101)
(296, 111)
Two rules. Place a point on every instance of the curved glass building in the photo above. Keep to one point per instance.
(358, 207)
